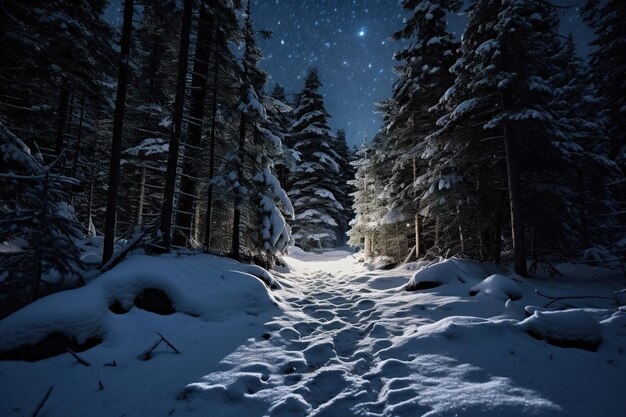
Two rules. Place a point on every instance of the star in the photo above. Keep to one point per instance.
(362, 32)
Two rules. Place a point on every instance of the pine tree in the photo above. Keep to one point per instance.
(424, 77)
(313, 183)
(199, 85)
(177, 121)
(585, 145)
(37, 225)
(118, 125)
(344, 186)
(259, 225)
(53, 52)
(608, 63)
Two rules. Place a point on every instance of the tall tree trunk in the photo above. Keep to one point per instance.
(199, 80)
(418, 238)
(582, 207)
(177, 118)
(79, 136)
(209, 208)
(497, 243)
(118, 125)
(368, 246)
(242, 140)
(142, 195)
(515, 192)
(239, 195)
(64, 99)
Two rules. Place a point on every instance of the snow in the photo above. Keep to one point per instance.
(569, 325)
(334, 338)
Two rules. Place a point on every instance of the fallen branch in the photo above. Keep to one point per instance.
(148, 353)
(42, 402)
(168, 343)
(78, 358)
(554, 299)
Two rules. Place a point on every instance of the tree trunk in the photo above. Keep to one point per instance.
(199, 81)
(118, 124)
(209, 209)
(368, 246)
(582, 207)
(239, 196)
(515, 192)
(418, 239)
(497, 244)
(177, 119)
(142, 194)
(79, 136)
(64, 99)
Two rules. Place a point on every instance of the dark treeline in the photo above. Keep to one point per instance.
(506, 142)
(162, 132)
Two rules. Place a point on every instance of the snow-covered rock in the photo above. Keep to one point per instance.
(568, 328)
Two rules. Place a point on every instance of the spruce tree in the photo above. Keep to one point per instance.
(314, 182)
(424, 77)
(608, 63)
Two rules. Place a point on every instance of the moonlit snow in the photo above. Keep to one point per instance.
(335, 337)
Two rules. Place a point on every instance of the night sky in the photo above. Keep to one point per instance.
(348, 41)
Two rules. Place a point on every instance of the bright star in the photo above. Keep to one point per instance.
(362, 33)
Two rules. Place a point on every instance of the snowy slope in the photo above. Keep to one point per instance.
(345, 340)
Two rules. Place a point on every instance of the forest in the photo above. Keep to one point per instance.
(162, 139)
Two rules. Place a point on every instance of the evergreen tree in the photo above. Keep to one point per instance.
(423, 78)
(53, 50)
(608, 63)
(259, 225)
(587, 147)
(314, 182)
(37, 225)
(344, 186)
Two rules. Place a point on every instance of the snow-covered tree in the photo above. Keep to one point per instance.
(38, 229)
(344, 187)
(585, 146)
(260, 201)
(313, 184)
(608, 62)
(423, 78)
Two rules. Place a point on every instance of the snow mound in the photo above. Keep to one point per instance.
(498, 286)
(204, 286)
(449, 271)
(568, 328)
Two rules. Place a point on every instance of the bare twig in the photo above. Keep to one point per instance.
(554, 299)
(168, 343)
(78, 358)
(42, 402)
(148, 353)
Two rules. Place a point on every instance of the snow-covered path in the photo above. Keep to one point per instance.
(348, 346)
(338, 339)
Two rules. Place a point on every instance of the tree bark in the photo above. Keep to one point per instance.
(79, 136)
(142, 193)
(368, 246)
(582, 207)
(199, 82)
(418, 239)
(64, 99)
(497, 245)
(515, 192)
(118, 125)
(239, 196)
(177, 118)
(209, 209)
